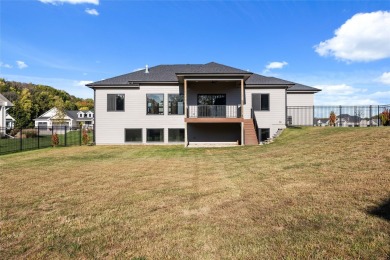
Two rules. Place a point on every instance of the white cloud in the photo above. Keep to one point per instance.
(5, 65)
(92, 11)
(82, 83)
(385, 78)
(364, 37)
(343, 94)
(56, 2)
(276, 65)
(21, 64)
(341, 89)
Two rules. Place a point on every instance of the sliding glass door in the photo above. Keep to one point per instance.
(212, 105)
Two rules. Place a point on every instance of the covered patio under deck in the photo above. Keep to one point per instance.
(214, 134)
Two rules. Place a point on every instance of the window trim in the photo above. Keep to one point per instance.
(269, 133)
(177, 141)
(124, 102)
(269, 102)
(269, 106)
(134, 142)
(146, 99)
(168, 104)
(163, 135)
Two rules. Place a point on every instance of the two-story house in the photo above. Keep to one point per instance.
(192, 104)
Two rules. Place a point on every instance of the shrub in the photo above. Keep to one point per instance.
(85, 137)
(30, 133)
(332, 119)
(385, 117)
(14, 132)
(55, 140)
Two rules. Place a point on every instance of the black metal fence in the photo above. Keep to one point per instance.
(21, 139)
(340, 116)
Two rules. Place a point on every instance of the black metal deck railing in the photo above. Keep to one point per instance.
(214, 111)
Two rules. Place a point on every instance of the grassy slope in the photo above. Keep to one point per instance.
(306, 195)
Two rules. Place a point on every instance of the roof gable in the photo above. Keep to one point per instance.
(4, 100)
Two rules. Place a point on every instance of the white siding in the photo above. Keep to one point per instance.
(110, 126)
(273, 119)
(2, 121)
(2, 116)
(299, 99)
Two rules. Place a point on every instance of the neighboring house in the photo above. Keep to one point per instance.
(321, 122)
(4, 105)
(193, 103)
(9, 121)
(371, 122)
(71, 119)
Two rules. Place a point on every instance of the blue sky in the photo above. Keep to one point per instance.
(342, 47)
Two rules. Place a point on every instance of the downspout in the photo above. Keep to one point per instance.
(285, 117)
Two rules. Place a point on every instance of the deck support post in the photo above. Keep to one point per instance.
(185, 114)
(242, 98)
(242, 134)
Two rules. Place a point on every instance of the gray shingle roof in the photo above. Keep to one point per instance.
(70, 113)
(42, 118)
(3, 100)
(169, 73)
(300, 87)
(256, 79)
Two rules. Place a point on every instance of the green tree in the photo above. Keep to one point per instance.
(60, 115)
(22, 110)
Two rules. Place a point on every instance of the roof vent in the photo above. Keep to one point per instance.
(146, 69)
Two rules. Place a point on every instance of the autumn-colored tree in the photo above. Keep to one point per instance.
(85, 137)
(332, 119)
(33, 100)
(385, 117)
(55, 140)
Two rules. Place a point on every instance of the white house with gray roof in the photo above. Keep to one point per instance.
(71, 119)
(5, 104)
(193, 104)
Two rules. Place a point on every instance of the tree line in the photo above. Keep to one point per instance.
(31, 100)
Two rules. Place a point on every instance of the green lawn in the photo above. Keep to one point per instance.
(313, 193)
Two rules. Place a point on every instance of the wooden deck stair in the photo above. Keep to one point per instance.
(250, 132)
